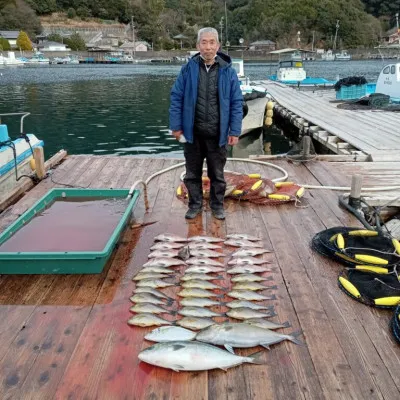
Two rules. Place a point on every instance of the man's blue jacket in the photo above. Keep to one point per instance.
(184, 97)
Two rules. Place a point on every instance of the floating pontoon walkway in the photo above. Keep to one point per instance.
(66, 337)
(372, 132)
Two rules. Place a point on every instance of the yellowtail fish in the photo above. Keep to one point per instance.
(163, 253)
(157, 270)
(243, 236)
(166, 246)
(203, 246)
(192, 356)
(250, 252)
(147, 320)
(198, 312)
(194, 292)
(208, 239)
(247, 269)
(249, 286)
(242, 243)
(198, 302)
(248, 304)
(154, 292)
(249, 295)
(203, 261)
(169, 333)
(150, 275)
(265, 324)
(146, 298)
(167, 237)
(247, 313)
(200, 277)
(206, 253)
(246, 261)
(200, 284)
(195, 323)
(249, 278)
(203, 269)
(163, 262)
(154, 283)
(148, 308)
(242, 335)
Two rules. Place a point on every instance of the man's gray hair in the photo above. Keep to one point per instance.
(207, 30)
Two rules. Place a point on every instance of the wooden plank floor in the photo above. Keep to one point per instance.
(374, 132)
(66, 337)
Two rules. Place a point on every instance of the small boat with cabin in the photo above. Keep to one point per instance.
(389, 82)
(343, 56)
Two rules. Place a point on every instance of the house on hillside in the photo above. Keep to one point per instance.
(392, 36)
(47, 45)
(11, 36)
(263, 45)
(139, 45)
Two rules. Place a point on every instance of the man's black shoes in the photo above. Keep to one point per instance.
(218, 214)
(193, 213)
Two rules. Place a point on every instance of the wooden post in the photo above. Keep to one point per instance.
(38, 155)
(355, 193)
(306, 146)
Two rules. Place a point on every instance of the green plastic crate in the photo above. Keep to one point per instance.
(83, 262)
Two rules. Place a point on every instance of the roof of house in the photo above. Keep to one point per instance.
(46, 43)
(129, 45)
(9, 34)
(262, 43)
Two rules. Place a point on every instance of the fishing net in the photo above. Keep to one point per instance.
(252, 188)
(378, 290)
(302, 151)
(395, 324)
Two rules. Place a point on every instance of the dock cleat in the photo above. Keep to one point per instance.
(371, 288)
(395, 324)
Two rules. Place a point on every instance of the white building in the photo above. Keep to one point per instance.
(52, 46)
(138, 46)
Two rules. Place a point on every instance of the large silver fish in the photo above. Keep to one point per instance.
(266, 324)
(148, 308)
(208, 239)
(242, 335)
(206, 253)
(200, 284)
(198, 302)
(166, 246)
(203, 261)
(250, 252)
(246, 261)
(248, 295)
(157, 270)
(167, 237)
(247, 269)
(154, 292)
(170, 334)
(249, 286)
(243, 236)
(198, 312)
(242, 243)
(154, 283)
(247, 304)
(150, 275)
(147, 320)
(203, 269)
(200, 277)
(194, 292)
(164, 253)
(163, 262)
(195, 323)
(192, 356)
(247, 313)
(147, 298)
(250, 278)
(203, 246)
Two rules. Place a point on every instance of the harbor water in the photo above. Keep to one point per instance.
(123, 109)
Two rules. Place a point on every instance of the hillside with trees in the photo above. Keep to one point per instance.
(362, 23)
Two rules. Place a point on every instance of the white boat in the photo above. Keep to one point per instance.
(10, 59)
(343, 56)
(15, 155)
(389, 82)
(328, 56)
(38, 58)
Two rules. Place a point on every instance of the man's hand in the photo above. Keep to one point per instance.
(233, 140)
(177, 134)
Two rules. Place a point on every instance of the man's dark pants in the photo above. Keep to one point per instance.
(195, 153)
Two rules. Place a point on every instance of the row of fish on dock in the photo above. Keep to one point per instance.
(178, 345)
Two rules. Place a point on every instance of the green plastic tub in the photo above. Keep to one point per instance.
(65, 262)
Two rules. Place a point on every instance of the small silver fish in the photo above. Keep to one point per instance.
(148, 308)
(170, 333)
(163, 262)
(203, 246)
(147, 320)
(203, 261)
(154, 292)
(247, 313)
(247, 269)
(167, 237)
(154, 283)
(200, 284)
(246, 261)
(250, 252)
(198, 302)
(145, 298)
(243, 236)
(265, 324)
(206, 253)
(249, 286)
(208, 239)
(166, 246)
(195, 323)
(247, 304)
(203, 269)
(200, 277)
(194, 292)
(163, 253)
(248, 295)
(150, 275)
(242, 243)
(198, 312)
(157, 270)
(249, 278)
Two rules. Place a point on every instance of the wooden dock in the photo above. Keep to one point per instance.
(66, 337)
(372, 132)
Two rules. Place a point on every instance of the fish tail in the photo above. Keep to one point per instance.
(286, 324)
(269, 278)
(271, 314)
(169, 302)
(294, 338)
(255, 358)
(218, 277)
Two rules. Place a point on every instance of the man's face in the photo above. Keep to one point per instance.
(208, 46)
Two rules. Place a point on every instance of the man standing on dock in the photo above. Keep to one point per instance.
(206, 115)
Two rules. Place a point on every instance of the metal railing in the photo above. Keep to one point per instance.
(24, 115)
